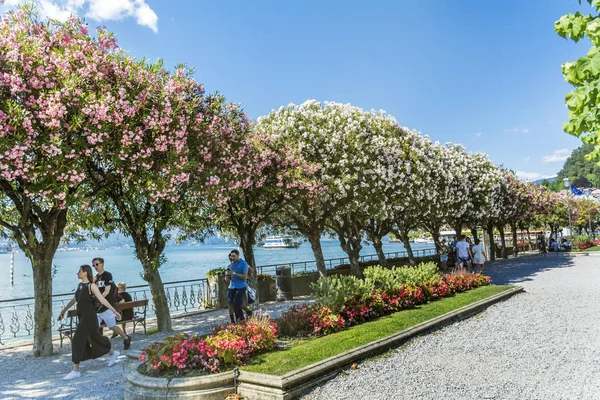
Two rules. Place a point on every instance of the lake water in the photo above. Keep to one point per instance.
(183, 263)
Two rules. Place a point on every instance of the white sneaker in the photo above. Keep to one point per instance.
(72, 375)
(113, 358)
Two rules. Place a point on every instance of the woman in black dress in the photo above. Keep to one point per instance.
(87, 342)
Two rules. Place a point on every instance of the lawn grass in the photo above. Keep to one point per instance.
(312, 351)
(593, 248)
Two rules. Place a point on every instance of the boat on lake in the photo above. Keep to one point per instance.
(280, 242)
(424, 240)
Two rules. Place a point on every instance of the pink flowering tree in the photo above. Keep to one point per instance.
(255, 181)
(50, 73)
(158, 140)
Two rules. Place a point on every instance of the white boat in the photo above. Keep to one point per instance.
(280, 242)
(424, 240)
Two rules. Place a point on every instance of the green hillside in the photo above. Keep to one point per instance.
(581, 172)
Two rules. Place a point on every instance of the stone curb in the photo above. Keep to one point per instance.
(270, 387)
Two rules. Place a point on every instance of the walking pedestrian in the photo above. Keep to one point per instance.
(444, 249)
(478, 257)
(463, 253)
(87, 343)
(238, 274)
(105, 283)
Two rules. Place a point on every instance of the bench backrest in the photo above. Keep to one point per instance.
(119, 306)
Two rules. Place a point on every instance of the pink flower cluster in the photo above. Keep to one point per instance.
(229, 345)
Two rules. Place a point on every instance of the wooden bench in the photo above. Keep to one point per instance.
(140, 308)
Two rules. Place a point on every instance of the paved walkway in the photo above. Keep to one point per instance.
(542, 344)
(25, 377)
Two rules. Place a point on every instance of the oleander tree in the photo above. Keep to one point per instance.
(256, 181)
(50, 74)
(359, 158)
(448, 190)
(158, 142)
(483, 179)
(584, 75)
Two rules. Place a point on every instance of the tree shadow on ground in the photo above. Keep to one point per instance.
(515, 270)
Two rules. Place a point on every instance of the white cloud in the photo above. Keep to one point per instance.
(477, 134)
(97, 10)
(532, 176)
(557, 156)
(527, 159)
(517, 130)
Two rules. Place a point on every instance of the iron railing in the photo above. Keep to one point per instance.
(309, 266)
(16, 315)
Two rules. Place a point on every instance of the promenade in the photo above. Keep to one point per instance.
(541, 344)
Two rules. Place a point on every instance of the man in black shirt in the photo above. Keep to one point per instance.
(104, 281)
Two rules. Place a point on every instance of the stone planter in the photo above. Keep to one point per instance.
(217, 292)
(301, 284)
(207, 387)
(267, 290)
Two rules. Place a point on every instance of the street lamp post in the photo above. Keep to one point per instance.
(567, 184)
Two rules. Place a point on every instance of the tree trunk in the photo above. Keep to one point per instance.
(354, 263)
(161, 305)
(503, 241)
(474, 233)
(352, 248)
(458, 229)
(42, 285)
(247, 240)
(380, 254)
(315, 244)
(529, 239)
(490, 229)
(403, 235)
(513, 228)
(435, 233)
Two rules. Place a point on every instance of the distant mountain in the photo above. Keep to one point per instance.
(539, 181)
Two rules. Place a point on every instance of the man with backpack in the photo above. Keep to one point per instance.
(109, 290)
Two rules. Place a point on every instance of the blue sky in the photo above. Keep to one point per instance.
(482, 73)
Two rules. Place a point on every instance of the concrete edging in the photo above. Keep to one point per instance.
(254, 385)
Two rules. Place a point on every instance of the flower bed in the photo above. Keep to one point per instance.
(587, 245)
(346, 301)
(229, 346)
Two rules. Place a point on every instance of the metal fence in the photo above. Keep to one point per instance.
(310, 266)
(16, 315)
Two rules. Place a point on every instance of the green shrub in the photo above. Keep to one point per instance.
(216, 272)
(336, 290)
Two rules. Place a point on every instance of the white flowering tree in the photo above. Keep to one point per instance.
(359, 160)
(448, 189)
(483, 178)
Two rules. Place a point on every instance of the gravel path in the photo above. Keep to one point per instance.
(25, 377)
(541, 344)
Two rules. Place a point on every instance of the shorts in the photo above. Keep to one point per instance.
(463, 261)
(108, 317)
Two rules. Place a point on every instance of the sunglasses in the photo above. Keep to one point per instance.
(96, 264)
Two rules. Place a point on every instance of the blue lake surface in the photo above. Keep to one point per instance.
(183, 263)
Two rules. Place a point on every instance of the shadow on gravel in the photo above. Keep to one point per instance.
(514, 270)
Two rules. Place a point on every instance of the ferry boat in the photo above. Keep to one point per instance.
(280, 242)
(424, 240)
